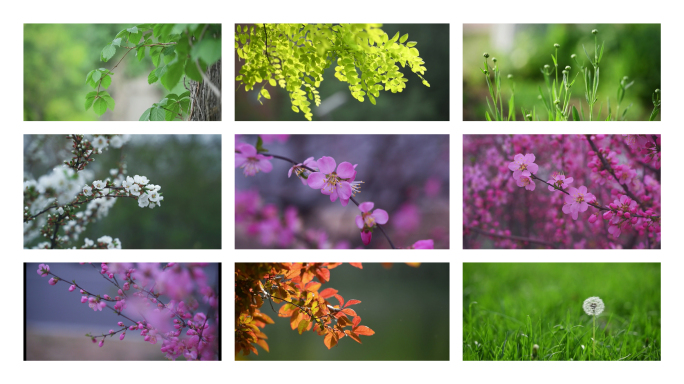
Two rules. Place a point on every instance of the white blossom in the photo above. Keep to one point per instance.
(593, 306)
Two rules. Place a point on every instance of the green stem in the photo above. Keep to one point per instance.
(593, 347)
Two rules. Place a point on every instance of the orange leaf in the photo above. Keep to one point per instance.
(415, 265)
(263, 317)
(349, 311)
(353, 336)
(340, 299)
(357, 321)
(323, 274)
(332, 265)
(303, 325)
(328, 292)
(330, 340)
(294, 319)
(352, 302)
(357, 265)
(262, 344)
(253, 349)
(363, 331)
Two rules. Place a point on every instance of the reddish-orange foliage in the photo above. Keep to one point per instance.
(293, 285)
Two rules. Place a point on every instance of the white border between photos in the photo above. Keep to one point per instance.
(455, 13)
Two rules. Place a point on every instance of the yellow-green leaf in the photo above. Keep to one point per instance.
(264, 93)
(403, 38)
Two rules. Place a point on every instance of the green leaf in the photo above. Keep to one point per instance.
(260, 145)
(411, 44)
(109, 100)
(575, 114)
(185, 106)
(90, 98)
(155, 54)
(152, 77)
(134, 38)
(403, 38)
(106, 81)
(273, 82)
(116, 42)
(209, 50)
(108, 52)
(132, 29)
(100, 106)
(146, 115)
(264, 92)
(394, 38)
(89, 76)
(173, 75)
(586, 53)
(96, 76)
(157, 114)
(184, 95)
(172, 111)
(140, 53)
(487, 116)
(371, 98)
(191, 70)
(295, 109)
(414, 52)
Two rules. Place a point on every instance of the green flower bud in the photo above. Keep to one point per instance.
(557, 45)
(486, 72)
(567, 68)
(657, 91)
(494, 59)
(510, 76)
(573, 56)
(529, 116)
(556, 102)
(594, 31)
(486, 55)
(625, 78)
(546, 66)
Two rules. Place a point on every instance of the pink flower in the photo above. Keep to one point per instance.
(123, 334)
(576, 201)
(95, 304)
(71, 288)
(527, 182)
(367, 220)
(53, 281)
(302, 172)
(523, 165)
(246, 157)
(43, 270)
(101, 343)
(335, 183)
(560, 181)
(84, 299)
(424, 244)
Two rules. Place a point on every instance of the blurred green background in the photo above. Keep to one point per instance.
(407, 307)
(57, 58)
(188, 169)
(510, 292)
(416, 102)
(523, 49)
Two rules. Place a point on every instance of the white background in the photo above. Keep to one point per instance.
(455, 13)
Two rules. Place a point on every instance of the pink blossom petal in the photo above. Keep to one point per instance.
(424, 244)
(346, 170)
(359, 221)
(380, 216)
(532, 168)
(366, 206)
(246, 150)
(316, 180)
(326, 164)
(529, 158)
(344, 190)
(513, 166)
(366, 237)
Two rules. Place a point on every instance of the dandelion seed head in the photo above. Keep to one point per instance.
(593, 306)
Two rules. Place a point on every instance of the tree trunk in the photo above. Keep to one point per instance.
(206, 103)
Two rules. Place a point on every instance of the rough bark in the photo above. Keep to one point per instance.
(206, 104)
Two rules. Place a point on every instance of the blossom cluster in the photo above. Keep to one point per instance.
(337, 181)
(52, 201)
(503, 209)
(142, 291)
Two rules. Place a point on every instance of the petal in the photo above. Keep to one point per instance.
(366, 237)
(345, 170)
(568, 180)
(366, 206)
(583, 206)
(532, 167)
(566, 208)
(326, 164)
(344, 190)
(519, 158)
(526, 173)
(240, 159)
(265, 166)
(316, 180)
(380, 216)
(359, 221)
(531, 186)
(529, 158)
(513, 166)
(289, 172)
(583, 189)
(246, 149)
(333, 196)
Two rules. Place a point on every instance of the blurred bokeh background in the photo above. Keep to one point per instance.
(416, 102)
(188, 169)
(406, 175)
(631, 50)
(57, 321)
(407, 307)
(57, 58)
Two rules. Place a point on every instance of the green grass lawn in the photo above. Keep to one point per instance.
(509, 308)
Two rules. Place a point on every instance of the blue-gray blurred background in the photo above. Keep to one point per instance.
(407, 307)
(406, 175)
(188, 169)
(57, 321)
(416, 102)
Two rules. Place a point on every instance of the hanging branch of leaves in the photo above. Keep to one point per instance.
(177, 51)
(292, 285)
(294, 56)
